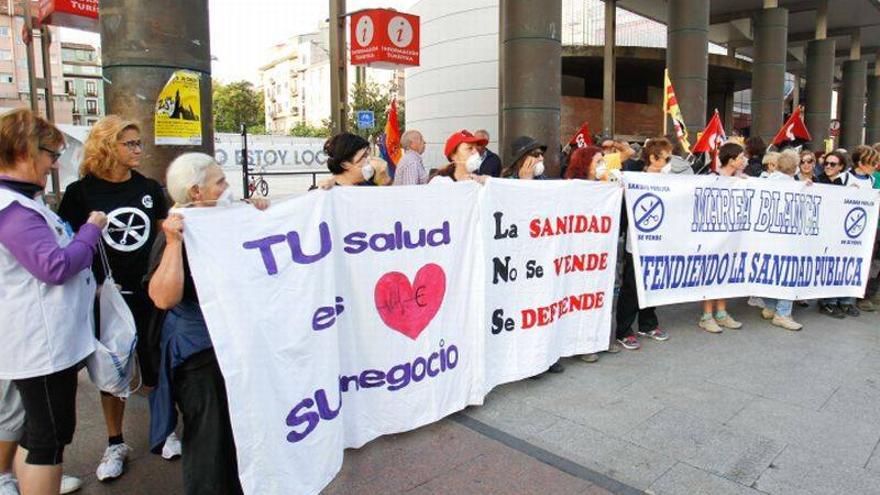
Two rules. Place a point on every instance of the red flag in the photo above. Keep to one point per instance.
(711, 139)
(793, 129)
(582, 137)
(392, 135)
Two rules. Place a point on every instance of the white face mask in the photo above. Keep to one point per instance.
(226, 198)
(539, 168)
(473, 163)
(601, 169)
(367, 171)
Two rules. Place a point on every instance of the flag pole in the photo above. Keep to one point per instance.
(665, 99)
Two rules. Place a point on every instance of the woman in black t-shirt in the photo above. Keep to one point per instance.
(135, 206)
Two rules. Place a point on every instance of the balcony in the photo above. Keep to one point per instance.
(92, 92)
(91, 111)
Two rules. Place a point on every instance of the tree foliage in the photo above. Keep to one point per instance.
(372, 96)
(238, 103)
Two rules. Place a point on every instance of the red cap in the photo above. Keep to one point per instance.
(462, 136)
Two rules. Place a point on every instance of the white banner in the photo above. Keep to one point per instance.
(551, 253)
(273, 153)
(711, 237)
(341, 316)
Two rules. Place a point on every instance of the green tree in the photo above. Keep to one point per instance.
(238, 103)
(372, 96)
(303, 129)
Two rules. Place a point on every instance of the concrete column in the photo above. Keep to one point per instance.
(768, 72)
(530, 73)
(822, 20)
(687, 56)
(338, 67)
(852, 113)
(142, 44)
(872, 117)
(609, 75)
(820, 85)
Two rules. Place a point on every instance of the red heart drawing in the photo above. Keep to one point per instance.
(408, 308)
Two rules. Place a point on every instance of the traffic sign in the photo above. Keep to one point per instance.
(366, 119)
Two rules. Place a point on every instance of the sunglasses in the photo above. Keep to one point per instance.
(52, 153)
(808, 160)
(832, 164)
(133, 144)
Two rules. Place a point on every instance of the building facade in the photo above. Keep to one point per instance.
(14, 87)
(83, 82)
(296, 81)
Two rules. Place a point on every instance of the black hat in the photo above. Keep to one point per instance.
(523, 145)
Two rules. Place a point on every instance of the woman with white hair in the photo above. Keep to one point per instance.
(189, 378)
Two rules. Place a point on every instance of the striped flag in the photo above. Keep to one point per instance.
(389, 141)
(670, 106)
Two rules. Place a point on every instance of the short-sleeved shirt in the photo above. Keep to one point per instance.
(134, 209)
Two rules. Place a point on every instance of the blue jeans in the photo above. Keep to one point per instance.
(843, 301)
(779, 306)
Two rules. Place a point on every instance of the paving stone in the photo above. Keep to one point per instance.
(683, 479)
(799, 470)
(851, 442)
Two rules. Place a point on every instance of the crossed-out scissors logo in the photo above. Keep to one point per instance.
(648, 213)
(855, 223)
(128, 229)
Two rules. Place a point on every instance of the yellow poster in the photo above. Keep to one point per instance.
(179, 110)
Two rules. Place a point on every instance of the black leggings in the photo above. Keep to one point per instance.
(628, 304)
(49, 415)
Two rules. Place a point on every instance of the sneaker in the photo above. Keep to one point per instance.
(112, 462)
(787, 323)
(850, 310)
(590, 358)
(614, 348)
(831, 310)
(171, 449)
(70, 484)
(728, 322)
(630, 343)
(656, 334)
(556, 367)
(8, 486)
(767, 314)
(756, 302)
(866, 305)
(710, 325)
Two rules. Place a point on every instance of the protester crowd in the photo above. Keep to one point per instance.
(51, 272)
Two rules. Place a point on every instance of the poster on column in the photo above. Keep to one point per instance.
(337, 317)
(549, 263)
(178, 111)
(712, 237)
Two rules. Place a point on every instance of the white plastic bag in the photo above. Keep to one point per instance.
(111, 366)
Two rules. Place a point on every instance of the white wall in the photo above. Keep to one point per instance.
(456, 86)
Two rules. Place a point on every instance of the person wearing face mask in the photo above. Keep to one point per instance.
(48, 293)
(189, 376)
(527, 159)
(349, 160)
(136, 206)
(715, 317)
(586, 163)
(656, 157)
(461, 151)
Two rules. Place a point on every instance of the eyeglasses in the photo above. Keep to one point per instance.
(52, 153)
(832, 164)
(808, 160)
(536, 153)
(133, 144)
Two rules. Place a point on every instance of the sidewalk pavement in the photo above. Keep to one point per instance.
(750, 411)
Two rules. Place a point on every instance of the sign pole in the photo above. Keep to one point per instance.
(338, 68)
(244, 163)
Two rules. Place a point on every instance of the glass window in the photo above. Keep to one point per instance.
(6, 77)
(5, 54)
(4, 31)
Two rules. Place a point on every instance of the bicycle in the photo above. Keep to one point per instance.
(256, 182)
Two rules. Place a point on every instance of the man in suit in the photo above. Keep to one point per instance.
(490, 162)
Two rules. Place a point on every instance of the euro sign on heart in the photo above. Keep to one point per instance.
(407, 307)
